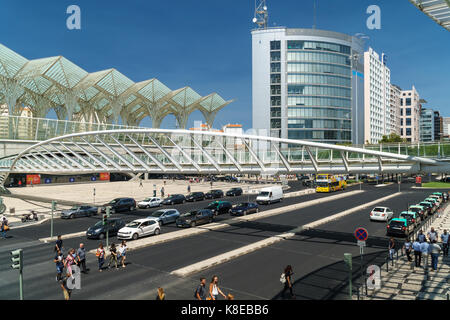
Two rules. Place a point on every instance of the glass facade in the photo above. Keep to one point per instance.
(275, 89)
(319, 91)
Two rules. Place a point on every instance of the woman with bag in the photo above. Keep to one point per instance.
(4, 227)
(113, 255)
(214, 289)
(100, 254)
(287, 281)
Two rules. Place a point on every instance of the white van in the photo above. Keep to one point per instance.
(270, 195)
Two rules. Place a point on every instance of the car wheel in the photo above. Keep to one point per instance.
(245, 212)
(101, 236)
(71, 216)
(157, 231)
(135, 236)
(257, 210)
(210, 220)
(193, 224)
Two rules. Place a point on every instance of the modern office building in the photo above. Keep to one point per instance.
(426, 125)
(446, 127)
(308, 84)
(438, 126)
(377, 97)
(410, 115)
(396, 93)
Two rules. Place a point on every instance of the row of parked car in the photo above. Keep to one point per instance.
(409, 220)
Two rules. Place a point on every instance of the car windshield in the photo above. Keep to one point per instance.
(426, 204)
(264, 194)
(406, 215)
(378, 209)
(148, 199)
(241, 205)
(157, 213)
(212, 205)
(113, 201)
(99, 224)
(414, 209)
(75, 208)
(133, 224)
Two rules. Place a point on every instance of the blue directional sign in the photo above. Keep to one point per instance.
(361, 234)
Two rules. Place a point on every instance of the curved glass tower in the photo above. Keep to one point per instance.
(305, 84)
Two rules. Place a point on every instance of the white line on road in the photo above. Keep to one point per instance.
(227, 256)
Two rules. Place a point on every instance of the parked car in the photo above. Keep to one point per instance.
(214, 194)
(139, 228)
(398, 226)
(244, 208)
(421, 210)
(442, 195)
(150, 202)
(98, 231)
(195, 218)
(174, 199)
(220, 207)
(165, 216)
(415, 217)
(79, 211)
(195, 196)
(381, 214)
(434, 202)
(234, 192)
(120, 205)
(270, 195)
(439, 199)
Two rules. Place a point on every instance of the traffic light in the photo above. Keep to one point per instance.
(54, 205)
(17, 259)
(348, 260)
(105, 219)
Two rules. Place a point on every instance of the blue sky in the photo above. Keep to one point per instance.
(206, 44)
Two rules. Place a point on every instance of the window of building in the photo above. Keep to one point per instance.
(275, 56)
(275, 67)
(408, 111)
(275, 78)
(275, 101)
(408, 101)
(408, 131)
(275, 90)
(275, 45)
(275, 123)
(408, 121)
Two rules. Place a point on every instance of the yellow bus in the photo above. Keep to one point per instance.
(330, 183)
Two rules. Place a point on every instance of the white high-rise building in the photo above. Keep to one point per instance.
(377, 97)
(410, 115)
(396, 93)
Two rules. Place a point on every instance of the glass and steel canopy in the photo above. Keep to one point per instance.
(438, 10)
(103, 96)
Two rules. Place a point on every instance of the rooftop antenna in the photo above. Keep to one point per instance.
(261, 14)
(315, 14)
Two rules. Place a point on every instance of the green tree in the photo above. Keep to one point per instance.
(393, 137)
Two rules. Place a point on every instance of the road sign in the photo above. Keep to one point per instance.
(361, 234)
(361, 243)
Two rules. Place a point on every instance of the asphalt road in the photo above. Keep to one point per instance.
(314, 255)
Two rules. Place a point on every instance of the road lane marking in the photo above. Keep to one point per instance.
(227, 256)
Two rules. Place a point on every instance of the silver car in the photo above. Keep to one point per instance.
(165, 216)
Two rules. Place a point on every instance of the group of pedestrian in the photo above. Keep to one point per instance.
(116, 254)
(212, 292)
(4, 227)
(64, 264)
(423, 248)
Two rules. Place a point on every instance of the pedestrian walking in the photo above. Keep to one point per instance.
(112, 255)
(3, 227)
(160, 295)
(432, 235)
(123, 252)
(59, 262)
(214, 289)
(421, 236)
(435, 251)
(200, 291)
(100, 254)
(189, 189)
(286, 279)
(391, 248)
(59, 244)
(70, 260)
(417, 252)
(140, 183)
(408, 247)
(424, 248)
(162, 192)
(81, 256)
(444, 239)
(63, 283)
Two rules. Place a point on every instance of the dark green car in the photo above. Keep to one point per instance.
(220, 207)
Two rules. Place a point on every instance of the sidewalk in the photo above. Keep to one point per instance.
(403, 281)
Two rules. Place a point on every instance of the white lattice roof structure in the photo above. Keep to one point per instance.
(103, 96)
(438, 10)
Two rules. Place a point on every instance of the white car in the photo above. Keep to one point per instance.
(150, 203)
(139, 228)
(381, 214)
